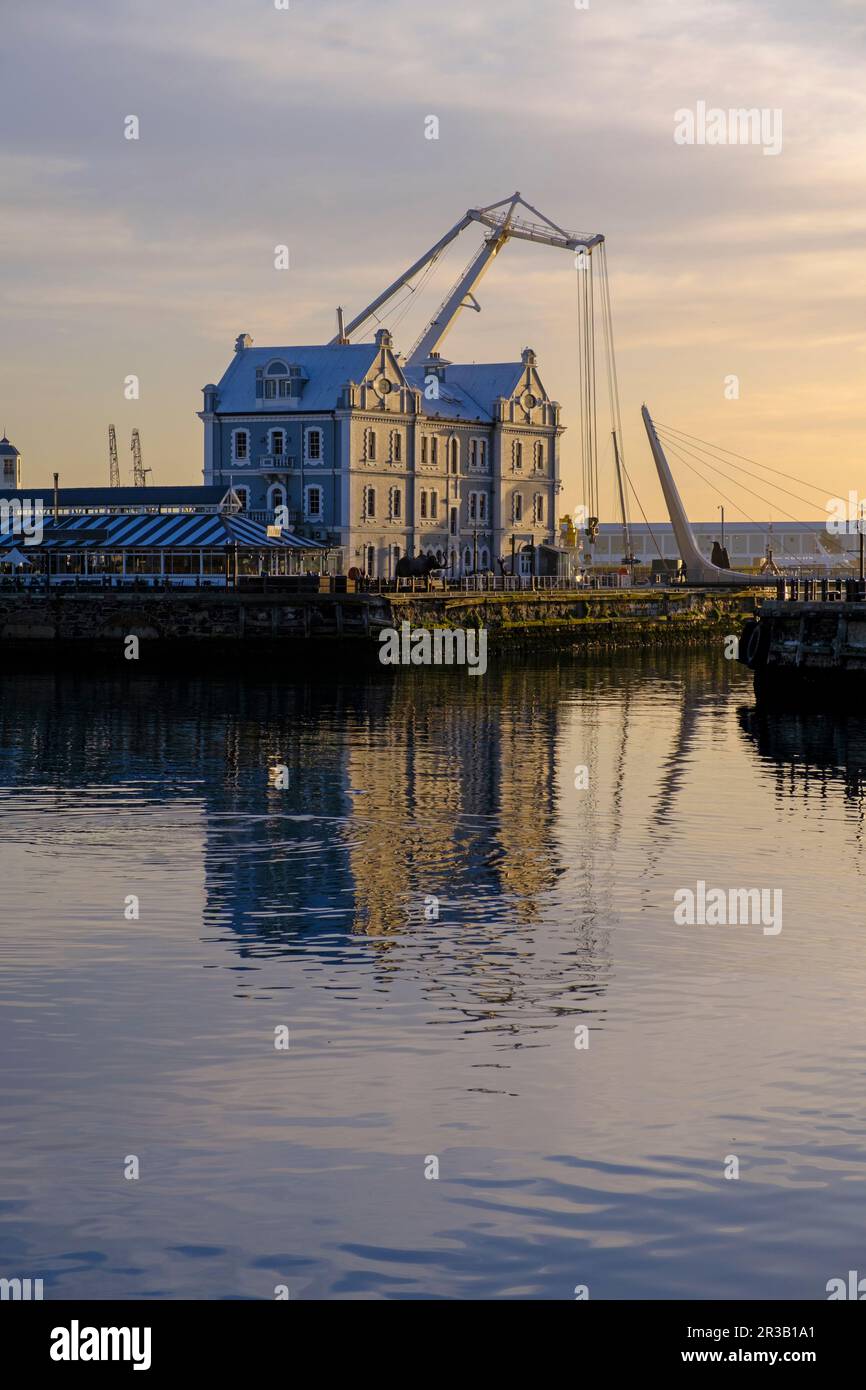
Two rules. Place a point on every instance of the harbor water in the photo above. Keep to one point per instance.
(370, 985)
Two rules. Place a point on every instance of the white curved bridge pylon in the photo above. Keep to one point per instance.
(698, 569)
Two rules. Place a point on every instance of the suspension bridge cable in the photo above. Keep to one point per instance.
(737, 483)
(790, 476)
(749, 474)
(789, 554)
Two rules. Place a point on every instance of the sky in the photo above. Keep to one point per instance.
(306, 127)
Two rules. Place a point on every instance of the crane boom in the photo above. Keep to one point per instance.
(503, 223)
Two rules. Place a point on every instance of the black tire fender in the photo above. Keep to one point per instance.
(756, 646)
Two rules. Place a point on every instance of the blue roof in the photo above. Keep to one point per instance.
(485, 382)
(328, 369)
(452, 402)
(179, 530)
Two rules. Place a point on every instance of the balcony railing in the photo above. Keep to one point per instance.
(278, 462)
(268, 518)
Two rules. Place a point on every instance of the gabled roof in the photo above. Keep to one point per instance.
(485, 382)
(452, 402)
(328, 369)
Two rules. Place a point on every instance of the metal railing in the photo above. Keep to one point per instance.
(795, 590)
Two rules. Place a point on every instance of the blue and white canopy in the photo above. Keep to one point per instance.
(148, 531)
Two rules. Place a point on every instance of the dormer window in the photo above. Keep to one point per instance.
(281, 380)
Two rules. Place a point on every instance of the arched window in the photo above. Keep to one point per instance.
(467, 561)
(539, 454)
(517, 453)
(396, 446)
(276, 496)
(454, 454)
(484, 558)
(276, 380)
(370, 445)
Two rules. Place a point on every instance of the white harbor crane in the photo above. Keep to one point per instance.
(503, 222)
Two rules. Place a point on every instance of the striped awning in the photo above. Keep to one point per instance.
(149, 531)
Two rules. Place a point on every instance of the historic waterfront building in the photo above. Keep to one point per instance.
(377, 459)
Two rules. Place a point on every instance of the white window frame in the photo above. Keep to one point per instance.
(369, 512)
(310, 515)
(236, 433)
(308, 437)
(274, 453)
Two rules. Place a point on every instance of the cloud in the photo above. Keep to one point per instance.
(260, 126)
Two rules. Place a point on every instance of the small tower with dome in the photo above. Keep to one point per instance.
(10, 466)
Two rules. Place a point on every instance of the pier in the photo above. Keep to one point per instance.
(71, 623)
(808, 644)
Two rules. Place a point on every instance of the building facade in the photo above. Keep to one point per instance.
(378, 460)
